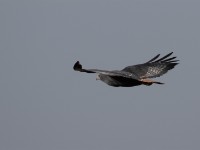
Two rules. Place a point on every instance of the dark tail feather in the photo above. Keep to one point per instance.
(156, 82)
(148, 83)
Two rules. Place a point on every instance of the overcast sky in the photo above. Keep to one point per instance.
(45, 105)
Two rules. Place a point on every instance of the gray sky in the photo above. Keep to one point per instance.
(45, 105)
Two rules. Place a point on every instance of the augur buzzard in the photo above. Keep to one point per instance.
(134, 75)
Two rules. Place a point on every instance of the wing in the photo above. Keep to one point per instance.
(154, 67)
(78, 67)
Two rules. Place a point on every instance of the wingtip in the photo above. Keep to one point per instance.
(77, 66)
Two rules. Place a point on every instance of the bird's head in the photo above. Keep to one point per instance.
(98, 77)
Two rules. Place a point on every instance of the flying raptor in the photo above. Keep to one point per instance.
(134, 75)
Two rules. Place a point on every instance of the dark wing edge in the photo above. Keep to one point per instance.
(155, 67)
(163, 59)
(78, 67)
(158, 67)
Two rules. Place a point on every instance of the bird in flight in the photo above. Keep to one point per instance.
(134, 75)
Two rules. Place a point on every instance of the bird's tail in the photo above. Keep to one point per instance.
(156, 82)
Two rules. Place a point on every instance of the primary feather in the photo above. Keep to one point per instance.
(153, 68)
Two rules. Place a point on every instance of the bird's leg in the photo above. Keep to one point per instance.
(146, 81)
(149, 82)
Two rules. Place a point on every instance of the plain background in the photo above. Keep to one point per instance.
(45, 105)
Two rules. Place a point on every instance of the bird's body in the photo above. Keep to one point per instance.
(117, 81)
(134, 75)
